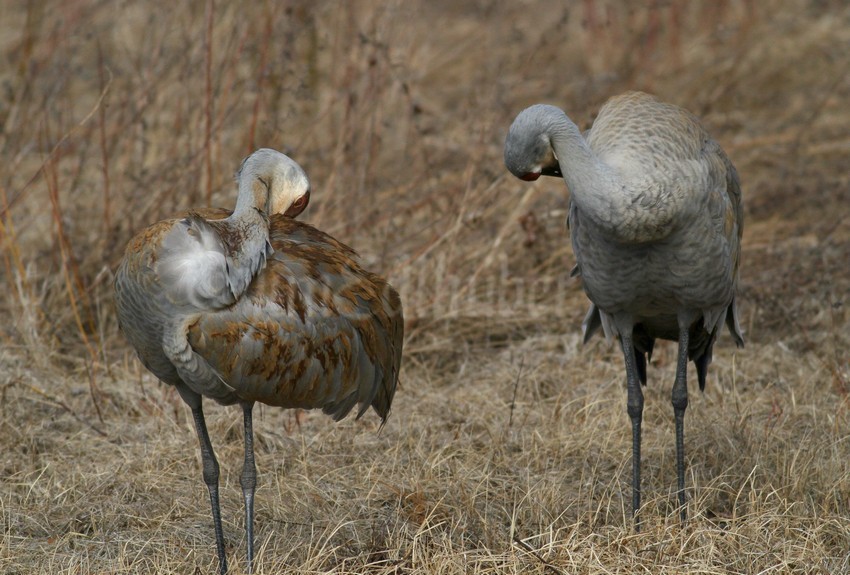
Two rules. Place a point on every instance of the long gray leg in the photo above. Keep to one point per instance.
(680, 404)
(249, 481)
(211, 473)
(634, 405)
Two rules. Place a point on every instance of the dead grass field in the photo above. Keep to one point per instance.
(508, 447)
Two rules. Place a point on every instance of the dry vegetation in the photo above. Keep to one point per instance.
(508, 449)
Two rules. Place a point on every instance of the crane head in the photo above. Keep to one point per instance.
(278, 184)
(528, 149)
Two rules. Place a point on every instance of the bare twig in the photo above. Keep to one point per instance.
(208, 97)
(516, 388)
(71, 274)
(59, 144)
(533, 552)
(107, 215)
(66, 407)
(262, 72)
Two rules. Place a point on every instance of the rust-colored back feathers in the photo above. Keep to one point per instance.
(314, 329)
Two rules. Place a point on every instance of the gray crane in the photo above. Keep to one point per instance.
(655, 221)
(252, 305)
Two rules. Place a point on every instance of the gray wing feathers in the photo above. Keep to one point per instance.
(192, 267)
(733, 190)
(198, 270)
(193, 370)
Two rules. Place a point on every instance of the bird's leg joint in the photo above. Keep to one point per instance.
(249, 469)
(210, 470)
(680, 398)
(635, 409)
(634, 401)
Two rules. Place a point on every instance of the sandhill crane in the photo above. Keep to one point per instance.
(655, 220)
(243, 307)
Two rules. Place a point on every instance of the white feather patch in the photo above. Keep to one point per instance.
(192, 266)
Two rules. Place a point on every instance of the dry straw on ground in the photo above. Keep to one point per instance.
(508, 449)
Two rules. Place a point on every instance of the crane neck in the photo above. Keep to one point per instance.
(585, 174)
(247, 233)
(625, 209)
(253, 195)
(593, 185)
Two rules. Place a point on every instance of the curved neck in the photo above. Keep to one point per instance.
(627, 210)
(252, 194)
(593, 185)
(248, 232)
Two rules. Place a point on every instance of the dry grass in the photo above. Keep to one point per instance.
(508, 450)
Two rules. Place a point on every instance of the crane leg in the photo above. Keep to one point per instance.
(680, 404)
(249, 481)
(634, 406)
(211, 472)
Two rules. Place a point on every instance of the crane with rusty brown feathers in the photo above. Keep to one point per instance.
(656, 221)
(252, 305)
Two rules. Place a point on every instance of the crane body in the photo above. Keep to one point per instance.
(253, 306)
(655, 221)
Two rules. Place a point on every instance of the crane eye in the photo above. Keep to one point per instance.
(298, 205)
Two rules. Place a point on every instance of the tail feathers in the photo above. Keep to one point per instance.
(734, 324)
(388, 381)
(339, 409)
(644, 345)
(383, 392)
(704, 360)
(384, 398)
(592, 322)
(702, 363)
